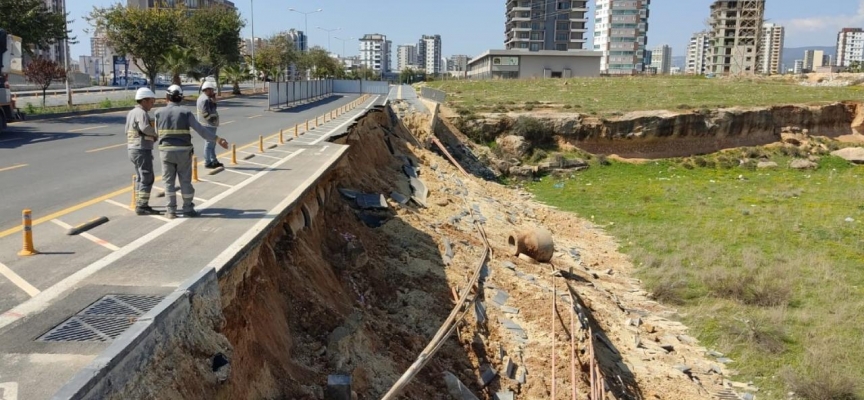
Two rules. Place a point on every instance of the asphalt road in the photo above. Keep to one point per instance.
(59, 99)
(51, 165)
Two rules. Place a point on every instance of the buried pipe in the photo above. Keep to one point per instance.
(535, 243)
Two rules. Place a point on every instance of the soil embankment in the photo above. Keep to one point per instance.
(664, 134)
(337, 289)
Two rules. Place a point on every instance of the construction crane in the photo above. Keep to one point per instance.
(10, 62)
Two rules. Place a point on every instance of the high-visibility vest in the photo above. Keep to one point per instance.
(172, 125)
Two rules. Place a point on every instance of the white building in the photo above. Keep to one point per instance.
(429, 54)
(620, 32)
(537, 25)
(771, 46)
(799, 67)
(406, 55)
(375, 52)
(57, 51)
(299, 38)
(661, 59)
(850, 46)
(698, 52)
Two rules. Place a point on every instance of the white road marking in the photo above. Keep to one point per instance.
(254, 163)
(262, 155)
(87, 236)
(125, 207)
(217, 183)
(87, 129)
(9, 390)
(238, 172)
(18, 281)
(282, 151)
(44, 299)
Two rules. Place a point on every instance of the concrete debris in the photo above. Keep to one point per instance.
(506, 395)
(371, 201)
(724, 360)
(480, 312)
(409, 171)
(715, 369)
(514, 328)
(509, 368)
(683, 368)
(349, 193)
(338, 387)
(399, 198)
(448, 252)
(509, 265)
(457, 389)
(500, 298)
(420, 192)
(509, 310)
(487, 374)
(713, 353)
(522, 376)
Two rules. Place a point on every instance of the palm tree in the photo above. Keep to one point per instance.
(235, 74)
(178, 60)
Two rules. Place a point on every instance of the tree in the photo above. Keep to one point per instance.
(37, 26)
(142, 33)
(407, 75)
(322, 65)
(179, 60)
(234, 74)
(367, 73)
(214, 32)
(43, 72)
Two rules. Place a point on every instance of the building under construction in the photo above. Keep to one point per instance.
(736, 27)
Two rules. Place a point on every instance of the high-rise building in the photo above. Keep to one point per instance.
(173, 3)
(799, 67)
(406, 54)
(429, 54)
(661, 59)
(771, 49)
(621, 32)
(375, 52)
(850, 47)
(299, 38)
(458, 64)
(57, 51)
(735, 29)
(697, 53)
(814, 59)
(536, 25)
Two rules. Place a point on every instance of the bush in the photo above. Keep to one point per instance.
(538, 155)
(603, 160)
(532, 130)
(29, 109)
(105, 103)
(700, 162)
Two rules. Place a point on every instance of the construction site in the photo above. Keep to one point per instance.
(736, 27)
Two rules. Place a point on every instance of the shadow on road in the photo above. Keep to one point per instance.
(21, 136)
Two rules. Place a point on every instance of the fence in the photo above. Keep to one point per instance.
(287, 93)
(433, 94)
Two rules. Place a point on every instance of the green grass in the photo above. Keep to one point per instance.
(762, 265)
(608, 96)
(35, 107)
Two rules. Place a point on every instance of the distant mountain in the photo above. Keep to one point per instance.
(790, 54)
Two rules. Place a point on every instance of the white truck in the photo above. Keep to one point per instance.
(10, 62)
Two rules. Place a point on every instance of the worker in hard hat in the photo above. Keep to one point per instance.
(174, 124)
(140, 137)
(209, 116)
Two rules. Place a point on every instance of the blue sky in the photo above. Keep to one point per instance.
(472, 26)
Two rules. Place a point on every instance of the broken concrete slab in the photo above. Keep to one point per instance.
(457, 389)
(509, 368)
(409, 171)
(480, 312)
(522, 375)
(371, 201)
(500, 298)
(420, 191)
(338, 387)
(487, 374)
(506, 395)
(509, 265)
(349, 193)
(509, 310)
(399, 198)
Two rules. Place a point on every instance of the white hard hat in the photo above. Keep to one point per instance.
(144, 93)
(175, 89)
(209, 85)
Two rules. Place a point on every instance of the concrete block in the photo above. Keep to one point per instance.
(457, 389)
(338, 387)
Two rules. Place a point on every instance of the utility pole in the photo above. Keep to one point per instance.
(254, 70)
(306, 28)
(66, 57)
(329, 31)
(343, 44)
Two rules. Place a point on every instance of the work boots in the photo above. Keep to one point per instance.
(146, 210)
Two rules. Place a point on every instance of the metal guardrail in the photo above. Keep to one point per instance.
(435, 95)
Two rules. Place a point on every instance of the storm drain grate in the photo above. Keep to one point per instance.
(102, 321)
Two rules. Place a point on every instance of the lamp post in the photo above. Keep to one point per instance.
(254, 70)
(329, 31)
(343, 44)
(66, 57)
(306, 22)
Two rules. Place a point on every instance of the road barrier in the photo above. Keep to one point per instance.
(260, 144)
(286, 94)
(281, 136)
(297, 130)
(433, 94)
(27, 246)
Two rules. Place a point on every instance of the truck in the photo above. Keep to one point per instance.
(10, 62)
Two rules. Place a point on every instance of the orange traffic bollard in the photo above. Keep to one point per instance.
(260, 144)
(281, 138)
(233, 154)
(195, 169)
(27, 247)
(296, 130)
(134, 195)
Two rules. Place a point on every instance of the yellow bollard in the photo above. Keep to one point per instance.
(233, 154)
(195, 169)
(27, 247)
(281, 138)
(316, 122)
(134, 195)
(260, 144)
(307, 126)
(296, 130)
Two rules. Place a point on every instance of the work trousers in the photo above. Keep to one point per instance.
(177, 164)
(210, 152)
(144, 176)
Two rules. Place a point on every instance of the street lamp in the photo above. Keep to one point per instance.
(343, 44)
(329, 31)
(254, 71)
(306, 22)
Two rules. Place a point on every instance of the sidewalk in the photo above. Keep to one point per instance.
(136, 261)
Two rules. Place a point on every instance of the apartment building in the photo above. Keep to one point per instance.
(815, 59)
(429, 54)
(735, 29)
(57, 51)
(406, 56)
(457, 64)
(173, 3)
(299, 38)
(375, 52)
(850, 47)
(697, 53)
(771, 49)
(536, 25)
(621, 32)
(661, 59)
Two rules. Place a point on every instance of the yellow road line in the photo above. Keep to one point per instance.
(105, 148)
(18, 281)
(13, 167)
(87, 129)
